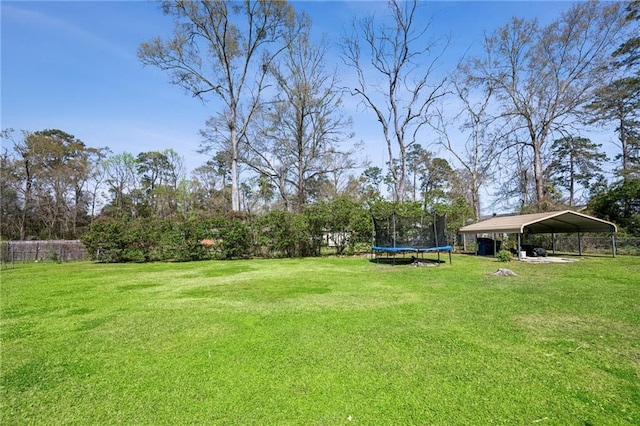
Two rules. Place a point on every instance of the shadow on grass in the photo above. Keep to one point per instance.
(414, 261)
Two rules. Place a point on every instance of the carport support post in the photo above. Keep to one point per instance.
(495, 246)
(613, 244)
(519, 248)
(553, 242)
(477, 246)
(579, 243)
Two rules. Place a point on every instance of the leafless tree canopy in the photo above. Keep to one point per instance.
(297, 143)
(396, 79)
(541, 76)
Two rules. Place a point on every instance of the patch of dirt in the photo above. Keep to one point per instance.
(505, 273)
(547, 260)
(422, 262)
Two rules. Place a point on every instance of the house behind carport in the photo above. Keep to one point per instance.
(553, 223)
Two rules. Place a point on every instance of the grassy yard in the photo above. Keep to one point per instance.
(321, 341)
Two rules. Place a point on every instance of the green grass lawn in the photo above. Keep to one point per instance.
(321, 341)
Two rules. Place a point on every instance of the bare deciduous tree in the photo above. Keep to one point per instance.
(122, 182)
(301, 137)
(395, 67)
(479, 152)
(541, 76)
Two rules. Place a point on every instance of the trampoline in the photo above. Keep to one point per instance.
(397, 235)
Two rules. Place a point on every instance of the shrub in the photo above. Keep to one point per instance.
(350, 221)
(233, 234)
(104, 241)
(281, 232)
(504, 256)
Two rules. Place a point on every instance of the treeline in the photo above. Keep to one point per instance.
(341, 223)
(56, 187)
(49, 184)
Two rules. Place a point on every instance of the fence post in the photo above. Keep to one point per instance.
(579, 243)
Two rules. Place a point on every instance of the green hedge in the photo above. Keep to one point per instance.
(274, 234)
(151, 240)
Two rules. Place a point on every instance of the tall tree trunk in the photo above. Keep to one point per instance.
(571, 180)
(27, 200)
(475, 196)
(235, 190)
(537, 173)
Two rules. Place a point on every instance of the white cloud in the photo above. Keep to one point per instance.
(39, 20)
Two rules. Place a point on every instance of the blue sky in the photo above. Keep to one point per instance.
(72, 66)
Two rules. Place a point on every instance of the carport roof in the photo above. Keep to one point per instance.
(566, 221)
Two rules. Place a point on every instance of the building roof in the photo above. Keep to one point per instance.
(566, 221)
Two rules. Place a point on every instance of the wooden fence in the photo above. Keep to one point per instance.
(37, 251)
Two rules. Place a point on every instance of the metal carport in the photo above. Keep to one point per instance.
(566, 221)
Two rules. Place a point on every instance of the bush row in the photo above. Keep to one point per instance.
(342, 222)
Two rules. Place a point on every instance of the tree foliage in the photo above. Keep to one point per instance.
(224, 50)
(576, 161)
(280, 126)
(620, 204)
(618, 102)
(45, 184)
(147, 240)
(161, 174)
(122, 180)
